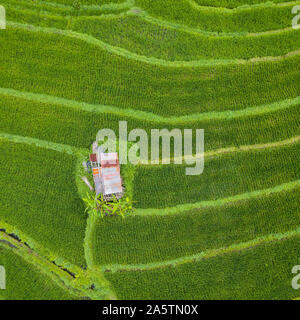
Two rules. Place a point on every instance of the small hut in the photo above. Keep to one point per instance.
(111, 178)
(106, 173)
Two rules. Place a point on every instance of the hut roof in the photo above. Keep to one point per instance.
(109, 159)
(112, 182)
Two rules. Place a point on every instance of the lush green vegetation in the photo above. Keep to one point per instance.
(255, 19)
(263, 272)
(168, 185)
(25, 282)
(100, 207)
(48, 14)
(234, 3)
(87, 74)
(87, 2)
(61, 123)
(136, 239)
(149, 39)
(39, 197)
(246, 18)
(141, 35)
(230, 67)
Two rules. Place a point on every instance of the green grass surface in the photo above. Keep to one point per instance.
(262, 272)
(82, 2)
(58, 14)
(53, 122)
(87, 2)
(234, 3)
(152, 40)
(141, 35)
(67, 72)
(39, 197)
(255, 19)
(158, 238)
(228, 175)
(76, 70)
(25, 282)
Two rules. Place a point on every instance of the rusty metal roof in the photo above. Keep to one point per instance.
(109, 159)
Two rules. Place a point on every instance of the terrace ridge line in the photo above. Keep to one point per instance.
(207, 254)
(144, 59)
(149, 116)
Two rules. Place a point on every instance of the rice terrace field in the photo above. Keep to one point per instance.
(71, 68)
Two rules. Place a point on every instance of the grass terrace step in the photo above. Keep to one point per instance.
(266, 268)
(39, 197)
(137, 240)
(26, 282)
(78, 70)
(146, 38)
(225, 176)
(69, 124)
(23, 10)
(268, 16)
(234, 3)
